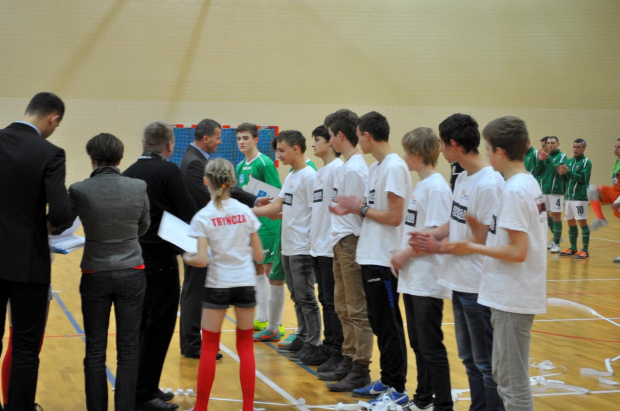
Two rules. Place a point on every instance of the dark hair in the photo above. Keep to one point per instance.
(344, 121)
(251, 128)
(580, 141)
(206, 127)
(463, 129)
(292, 138)
(156, 136)
(508, 133)
(105, 149)
(45, 103)
(553, 137)
(321, 131)
(374, 124)
(544, 139)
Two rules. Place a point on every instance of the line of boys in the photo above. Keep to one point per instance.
(369, 216)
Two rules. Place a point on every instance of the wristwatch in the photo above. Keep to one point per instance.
(363, 209)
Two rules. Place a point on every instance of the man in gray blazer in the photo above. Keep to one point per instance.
(32, 176)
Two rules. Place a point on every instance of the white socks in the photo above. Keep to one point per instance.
(262, 297)
(276, 306)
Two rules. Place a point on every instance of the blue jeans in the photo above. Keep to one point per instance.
(474, 339)
(125, 288)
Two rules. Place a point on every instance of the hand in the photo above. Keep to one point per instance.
(263, 201)
(347, 205)
(399, 259)
(542, 156)
(188, 257)
(423, 242)
(456, 247)
(561, 169)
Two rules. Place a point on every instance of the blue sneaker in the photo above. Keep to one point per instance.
(372, 390)
(267, 336)
(390, 397)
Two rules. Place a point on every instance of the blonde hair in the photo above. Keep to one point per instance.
(424, 142)
(221, 176)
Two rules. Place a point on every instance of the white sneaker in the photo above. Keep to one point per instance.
(598, 223)
(555, 248)
(617, 259)
(551, 244)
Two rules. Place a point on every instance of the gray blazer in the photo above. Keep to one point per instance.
(114, 211)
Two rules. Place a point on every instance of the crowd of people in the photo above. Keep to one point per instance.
(363, 235)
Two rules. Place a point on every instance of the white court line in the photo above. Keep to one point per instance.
(288, 397)
(604, 239)
(558, 320)
(585, 279)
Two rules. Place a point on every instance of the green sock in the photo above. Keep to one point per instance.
(550, 224)
(585, 237)
(573, 232)
(557, 231)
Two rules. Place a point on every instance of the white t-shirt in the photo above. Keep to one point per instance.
(296, 195)
(320, 233)
(429, 207)
(378, 241)
(351, 180)
(476, 195)
(228, 233)
(518, 287)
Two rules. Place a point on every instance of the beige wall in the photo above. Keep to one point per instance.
(120, 64)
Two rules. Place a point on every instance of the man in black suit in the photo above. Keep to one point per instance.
(166, 192)
(207, 137)
(32, 175)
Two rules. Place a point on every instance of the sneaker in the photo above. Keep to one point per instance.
(617, 259)
(582, 255)
(317, 356)
(555, 248)
(372, 390)
(416, 405)
(551, 244)
(260, 325)
(598, 223)
(293, 347)
(287, 340)
(569, 251)
(390, 397)
(282, 330)
(267, 336)
(305, 350)
(331, 364)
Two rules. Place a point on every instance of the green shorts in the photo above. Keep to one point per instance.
(269, 249)
(277, 272)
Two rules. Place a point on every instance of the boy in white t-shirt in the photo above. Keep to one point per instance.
(514, 274)
(429, 207)
(350, 370)
(294, 202)
(389, 184)
(476, 192)
(320, 246)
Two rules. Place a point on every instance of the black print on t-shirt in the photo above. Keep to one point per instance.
(459, 213)
(540, 204)
(317, 196)
(411, 218)
(493, 226)
(334, 193)
(371, 197)
(288, 199)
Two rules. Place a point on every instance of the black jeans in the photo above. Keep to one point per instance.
(191, 309)
(125, 289)
(386, 323)
(324, 273)
(28, 311)
(159, 317)
(424, 315)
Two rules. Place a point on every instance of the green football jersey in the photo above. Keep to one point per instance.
(531, 157)
(552, 182)
(263, 169)
(578, 178)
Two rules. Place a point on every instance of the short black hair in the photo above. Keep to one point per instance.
(321, 131)
(463, 129)
(553, 137)
(106, 149)
(206, 127)
(508, 133)
(345, 121)
(45, 103)
(580, 141)
(374, 124)
(249, 127)
(292, 138)
(544, 139)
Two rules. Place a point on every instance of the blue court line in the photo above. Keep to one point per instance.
(78, 330)
(275, 348)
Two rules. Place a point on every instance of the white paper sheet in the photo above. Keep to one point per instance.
(67, 241)
(174, 230)
(261, 189)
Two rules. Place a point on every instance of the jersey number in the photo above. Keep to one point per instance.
(579, 209)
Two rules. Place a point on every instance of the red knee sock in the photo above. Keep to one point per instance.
(596, 207)
(206, 368)
(6, 367)
(247, 367)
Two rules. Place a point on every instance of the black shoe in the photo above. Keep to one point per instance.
(304, 350)
(166, 396)
(219, 356)
(293, 347)
(156, 404)
(193, 355)
(415, 405)
(37, 407)
(331, 364)
(316, 356)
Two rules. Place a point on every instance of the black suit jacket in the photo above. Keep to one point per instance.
(32, 175)
(193, 171)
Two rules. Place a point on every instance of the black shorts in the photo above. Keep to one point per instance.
(222, 298)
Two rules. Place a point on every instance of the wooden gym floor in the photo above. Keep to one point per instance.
(571, 337)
